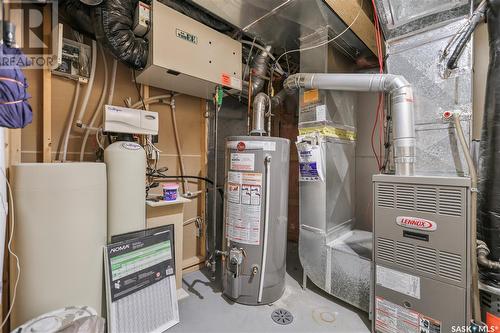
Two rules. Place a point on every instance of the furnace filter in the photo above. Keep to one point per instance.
(255, 218)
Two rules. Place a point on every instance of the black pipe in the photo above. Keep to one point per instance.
(489, 173)
(113, 22)
(476, 18)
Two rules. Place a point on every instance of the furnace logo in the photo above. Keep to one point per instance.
(416, 223)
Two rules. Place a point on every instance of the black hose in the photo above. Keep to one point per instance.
(475, 19)
(176, 177)
(114, 20)
(489, 172)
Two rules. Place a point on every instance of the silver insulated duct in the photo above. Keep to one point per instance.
(401, 97)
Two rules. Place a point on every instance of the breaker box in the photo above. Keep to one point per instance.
(421, 254)
(187, 56)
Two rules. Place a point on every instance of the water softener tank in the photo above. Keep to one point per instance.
(255, 218)
(126, 172)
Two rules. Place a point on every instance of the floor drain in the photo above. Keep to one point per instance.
(282, 316)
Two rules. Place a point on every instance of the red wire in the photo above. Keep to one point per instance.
(380, 115)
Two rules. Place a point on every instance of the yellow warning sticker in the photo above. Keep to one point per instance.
(310, 96)
(330, 131)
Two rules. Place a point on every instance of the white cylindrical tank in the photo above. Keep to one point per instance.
(59, 234)
(126, 170)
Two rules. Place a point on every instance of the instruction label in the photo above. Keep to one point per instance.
(392, 318)
(310, 164)
(244, 205)
(242, 162)
(398, 281)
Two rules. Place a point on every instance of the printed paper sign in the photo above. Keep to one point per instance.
(310, 162)
(242, 162)
(243, 211)
(398, 281)
(392, 318)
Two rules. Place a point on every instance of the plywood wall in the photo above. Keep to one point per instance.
(190, 120)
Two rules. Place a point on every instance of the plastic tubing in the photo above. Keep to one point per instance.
(99, 106)
(83, 107)
(71, 119)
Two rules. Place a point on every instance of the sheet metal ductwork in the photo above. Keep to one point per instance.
(489, 175)
(401, 103)
(114, 21)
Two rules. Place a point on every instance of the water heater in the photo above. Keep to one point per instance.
(255, 218)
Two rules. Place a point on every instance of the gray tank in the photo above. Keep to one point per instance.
(255, 218)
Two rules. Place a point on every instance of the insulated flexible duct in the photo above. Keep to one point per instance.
(259, 70)
(192, 11)
(77, 15)
(401, 94)
(489, 174)
(114, 20)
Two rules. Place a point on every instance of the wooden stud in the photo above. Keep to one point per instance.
(47, 89)
(347, 10)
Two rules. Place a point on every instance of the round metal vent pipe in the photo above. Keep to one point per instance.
(401, 96)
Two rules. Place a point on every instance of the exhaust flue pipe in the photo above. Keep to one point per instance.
(401, 103)
(260, 105)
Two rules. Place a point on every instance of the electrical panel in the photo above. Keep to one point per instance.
(76, 61)
(187, 56)
(421, 254)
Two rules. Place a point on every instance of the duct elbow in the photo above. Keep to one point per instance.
(114, 28)
(260, 104)
(395, 82)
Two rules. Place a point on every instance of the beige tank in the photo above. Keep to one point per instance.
(126, 170)
(59, 234)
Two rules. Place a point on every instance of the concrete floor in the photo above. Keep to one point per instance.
(205, 310)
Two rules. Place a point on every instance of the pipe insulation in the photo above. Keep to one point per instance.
(259, 70)
(489, 158)
(77, 14)
(401, 98)
(114, 24)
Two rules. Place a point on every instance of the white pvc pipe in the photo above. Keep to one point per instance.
(113, 80)
(71, 119)
(266, 228)
(90, 85)
(100, 105)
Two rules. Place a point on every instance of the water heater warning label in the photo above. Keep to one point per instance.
(392, 318)
(242, 162)
(243, 210)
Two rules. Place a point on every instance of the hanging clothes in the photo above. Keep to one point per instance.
(15, 111)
